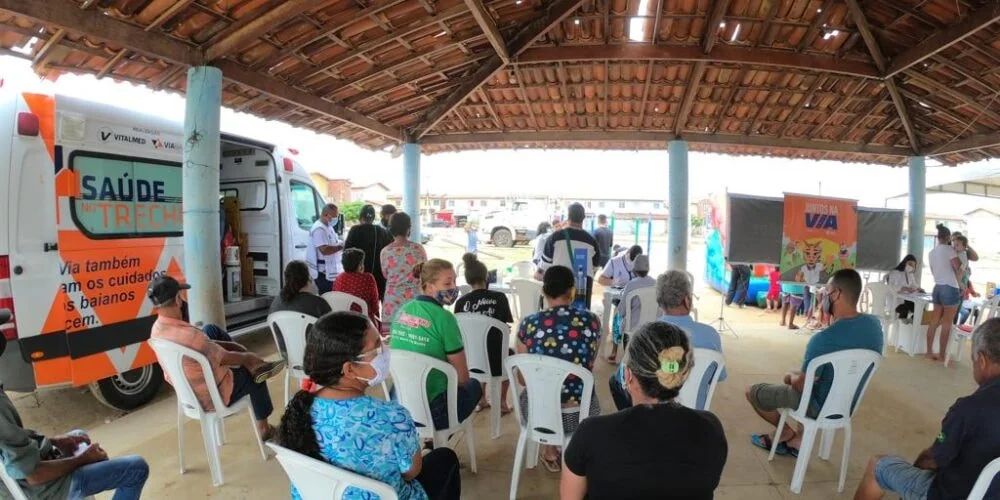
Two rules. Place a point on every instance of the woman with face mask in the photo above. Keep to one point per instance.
(425, 327)
(345, 356)
(901, 280)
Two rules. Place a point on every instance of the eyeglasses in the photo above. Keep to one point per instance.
(374, 352)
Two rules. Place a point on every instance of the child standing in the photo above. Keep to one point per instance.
(774, 291)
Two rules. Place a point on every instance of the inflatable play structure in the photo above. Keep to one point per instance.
(716, 274)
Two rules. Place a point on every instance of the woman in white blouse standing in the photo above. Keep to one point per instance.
(902, 280)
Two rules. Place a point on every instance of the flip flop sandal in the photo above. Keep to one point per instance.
(268, 370)
(763, 441)
(552, 465)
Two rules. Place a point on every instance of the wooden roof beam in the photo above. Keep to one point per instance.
(860, 117)
(836, 110)
(689, 94)
(404, 31)
(814, 28)
(968, 144)
(101, 27)
(936, 86)
(662, 137)
(735, 89)
(645, 92)
(801, 105)
(973, 22)
(258, 27)
(42, 56)
(236, 73)
(712, 28)
(720, 54)
(876, 53)
(554, 13)
(166, 15)
(96, 25)
(489, 26)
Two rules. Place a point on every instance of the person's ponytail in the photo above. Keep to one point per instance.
(296, 429)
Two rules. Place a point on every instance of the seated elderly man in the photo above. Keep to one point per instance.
(237, 373)
(675, 296)
(969, 439)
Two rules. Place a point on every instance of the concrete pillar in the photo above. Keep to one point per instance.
(201, 195)
(411, 186)
(918, 195)
(677, 236)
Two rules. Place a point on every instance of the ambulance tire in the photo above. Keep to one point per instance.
(130, 390)
(503, 238)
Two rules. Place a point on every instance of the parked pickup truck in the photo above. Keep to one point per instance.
(506, 228)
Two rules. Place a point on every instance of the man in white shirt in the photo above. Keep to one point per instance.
(618, 271)
(324, 250)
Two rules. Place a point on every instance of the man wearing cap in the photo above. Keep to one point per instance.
(641, 279)
(65, 466)
(371, 238)
(236, 371)
(323, 254)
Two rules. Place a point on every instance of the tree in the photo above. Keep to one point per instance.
(351, 210)
(697, 221)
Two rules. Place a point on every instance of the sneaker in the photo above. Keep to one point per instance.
(268, 370)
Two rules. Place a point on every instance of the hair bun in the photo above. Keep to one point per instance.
(469, 259)
(675, 364)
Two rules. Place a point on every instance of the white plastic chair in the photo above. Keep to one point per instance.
(289, 330)
(529, 296)
(986, 478)
(171, 357)
(409, 372)
(849, 368)
(960, 334)
(878, 307)
(543, 378)
(523, 269)
(475, 328)
(703, 360)
(15, 488)
(648, 308)
(340, 301)
(318, 480)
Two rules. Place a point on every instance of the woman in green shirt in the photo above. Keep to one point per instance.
(425, 327)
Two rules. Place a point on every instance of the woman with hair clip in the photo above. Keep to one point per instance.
(341, 425)
(425, 327)
(657, 448)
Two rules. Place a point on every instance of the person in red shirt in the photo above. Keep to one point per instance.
(774, 291)
(355, 281)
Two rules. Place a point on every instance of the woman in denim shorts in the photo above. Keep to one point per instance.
(947, 295)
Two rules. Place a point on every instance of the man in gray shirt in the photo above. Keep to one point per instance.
(60, 467)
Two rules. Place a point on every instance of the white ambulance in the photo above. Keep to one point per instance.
(90, 212)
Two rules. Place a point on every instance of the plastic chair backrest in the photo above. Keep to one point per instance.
(409, 372)
(849, 369)
(880, 292)
(12, 485)
(648, 308)
(171, 357)
(318, 480)
(340, 301)
(986, 478)
(475, 327)
(523, 269)
(543, 380)
(704, 359)
(994, 306)
(289, 330)
(529, 295)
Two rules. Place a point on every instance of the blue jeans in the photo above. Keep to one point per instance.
(896, 475)
(468, 396)
(243, 384)
(125, 475)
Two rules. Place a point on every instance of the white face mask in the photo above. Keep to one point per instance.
(381, 366)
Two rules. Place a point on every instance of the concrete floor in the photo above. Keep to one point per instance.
(900, 414)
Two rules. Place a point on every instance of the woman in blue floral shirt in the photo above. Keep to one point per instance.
(341, 425)
(565, 332)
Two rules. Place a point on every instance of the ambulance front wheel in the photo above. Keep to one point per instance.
(129, 390)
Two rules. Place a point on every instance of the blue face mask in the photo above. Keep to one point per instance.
(448, 297)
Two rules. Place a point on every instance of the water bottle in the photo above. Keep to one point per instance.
(581, 283)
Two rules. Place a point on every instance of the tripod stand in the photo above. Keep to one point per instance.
(720, 323)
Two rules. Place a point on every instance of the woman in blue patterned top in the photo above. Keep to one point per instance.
(341, 425)
(565, 332)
